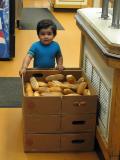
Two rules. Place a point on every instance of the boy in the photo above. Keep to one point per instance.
(44, 51)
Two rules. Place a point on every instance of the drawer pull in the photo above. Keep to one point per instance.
(78, 122)
(78, 141)
(78, 104)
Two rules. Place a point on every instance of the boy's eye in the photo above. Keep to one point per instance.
(46, 33)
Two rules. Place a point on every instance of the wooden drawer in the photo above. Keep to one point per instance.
(78, 123)
(41, 143)
(42, 124)
(59, 142)
(77, 142)
(41, 105)
(79, 104)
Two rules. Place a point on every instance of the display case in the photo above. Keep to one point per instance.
(100, 58)
(7, 29)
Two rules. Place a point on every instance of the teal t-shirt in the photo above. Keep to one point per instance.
(44, 55)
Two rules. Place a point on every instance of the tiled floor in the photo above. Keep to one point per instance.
(11, 137)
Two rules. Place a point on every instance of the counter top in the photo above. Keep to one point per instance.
(100, 30)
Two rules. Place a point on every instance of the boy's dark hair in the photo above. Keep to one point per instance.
(46, 23)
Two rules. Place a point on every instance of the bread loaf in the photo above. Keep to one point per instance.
(70, 86)
(81, 87)
(58, 77)
(28, 86)
(34, 83)
(51, 94)
(43, 89)
(36, 94)
(55, 83)
(29, 93)
(72, 94)
(86, 92)
(67, 91)
(81, 79)
(42, 84)
(28, 89)
(55, 89)
(70, 79)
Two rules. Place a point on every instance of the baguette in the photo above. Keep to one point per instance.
(34, 83)
(28, 89)
(58, 77)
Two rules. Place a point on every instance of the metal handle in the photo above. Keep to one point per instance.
(78, 104)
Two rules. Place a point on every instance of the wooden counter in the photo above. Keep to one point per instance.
(100, 59)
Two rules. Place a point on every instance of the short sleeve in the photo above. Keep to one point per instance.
(58, 50)
(32, 50)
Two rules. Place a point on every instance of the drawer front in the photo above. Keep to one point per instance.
(41, 143)
(77, 142)
(41, 105)
(78, 123)
(41, 124)
(79, 104)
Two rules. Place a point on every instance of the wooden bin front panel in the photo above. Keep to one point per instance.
(79, 104)
(41, 105)
(41, 143)
(42, 124)
(77, 142)
(78, 123)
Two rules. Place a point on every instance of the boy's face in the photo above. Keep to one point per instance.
(46, 36)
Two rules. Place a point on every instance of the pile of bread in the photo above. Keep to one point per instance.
(57, 85)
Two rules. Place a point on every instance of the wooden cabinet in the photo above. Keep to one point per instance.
(100, 58)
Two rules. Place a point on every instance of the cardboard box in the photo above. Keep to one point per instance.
(55, 124)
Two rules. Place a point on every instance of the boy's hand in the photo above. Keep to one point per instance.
(22, 71)
(60, 67)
